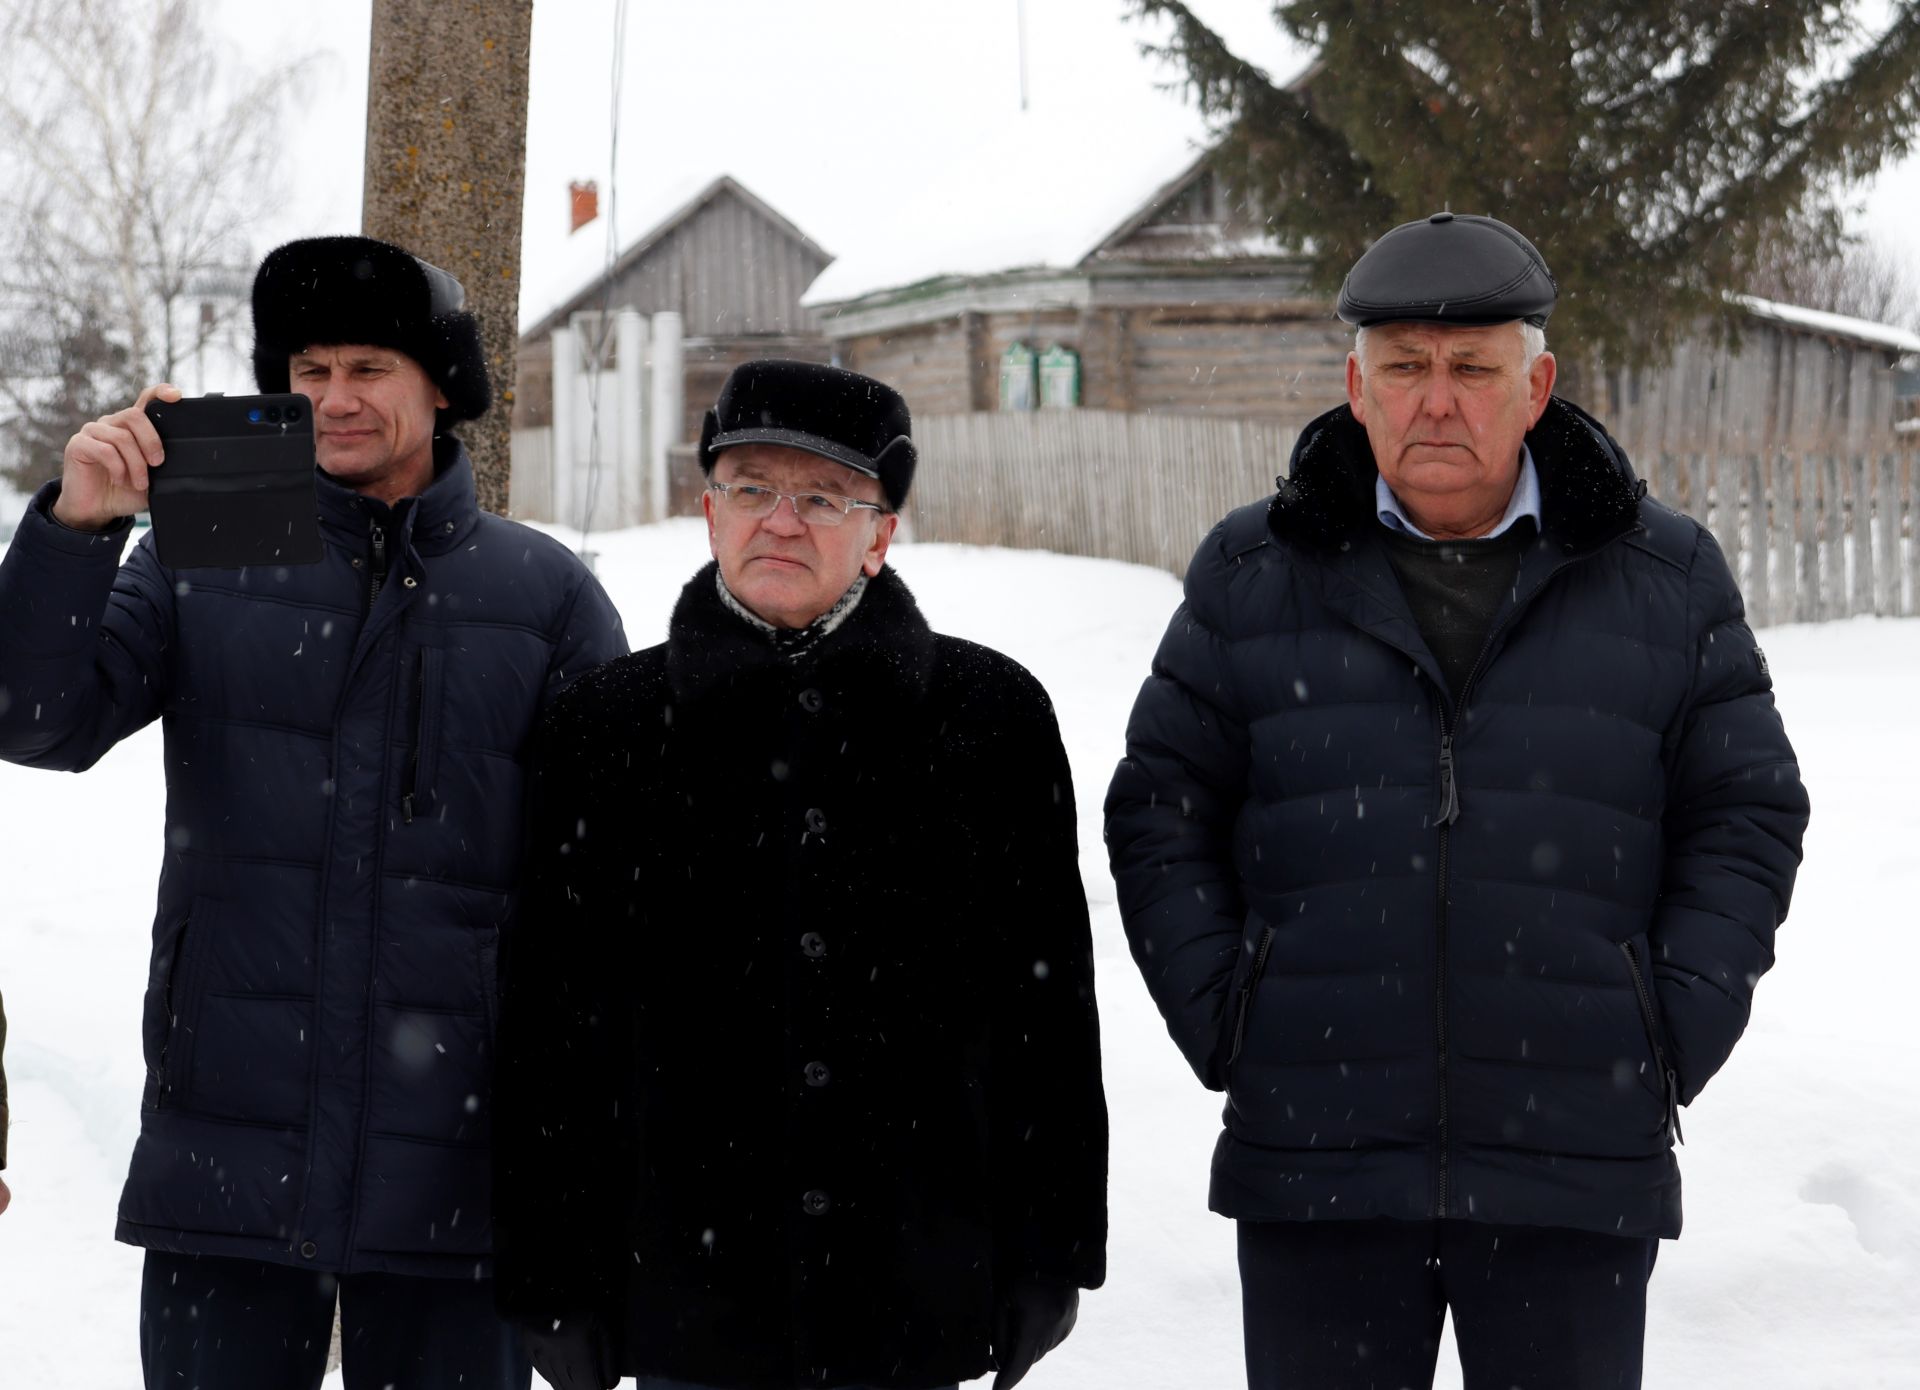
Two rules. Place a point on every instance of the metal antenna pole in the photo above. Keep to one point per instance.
(1022, 7)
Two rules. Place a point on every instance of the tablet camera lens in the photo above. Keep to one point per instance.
(273, 414)
(253, 415)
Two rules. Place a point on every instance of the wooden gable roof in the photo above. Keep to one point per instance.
(797, 261)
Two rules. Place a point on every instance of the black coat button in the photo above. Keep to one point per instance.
(817, 821)
(815, 1203)
(812, 701)
(308, 1250)
(813, 945)
(818, 1073)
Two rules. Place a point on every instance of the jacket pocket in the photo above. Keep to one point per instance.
(178, 990)
(416, 792)
(1248, 988)
(1669, 1083)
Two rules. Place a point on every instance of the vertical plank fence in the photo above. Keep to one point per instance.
(1811, 537)
(1144, 488)
(1780, 539)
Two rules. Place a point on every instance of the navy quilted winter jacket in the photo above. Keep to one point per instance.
(1456, 953)
(344, 778)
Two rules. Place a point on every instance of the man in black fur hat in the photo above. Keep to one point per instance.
(800, 1077)
(344, 752)
(1454, 827)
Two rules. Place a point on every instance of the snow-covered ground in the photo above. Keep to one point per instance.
(1801, 1262)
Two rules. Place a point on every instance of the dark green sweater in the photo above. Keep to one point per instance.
(1454, 589)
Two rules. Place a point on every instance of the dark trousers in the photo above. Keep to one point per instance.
(208, 1323)
(1358, 1305)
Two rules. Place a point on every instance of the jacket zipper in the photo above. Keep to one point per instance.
(412, 782)
(1247, 988)
(1448, 813)
(1669, 1082)
(379, 564)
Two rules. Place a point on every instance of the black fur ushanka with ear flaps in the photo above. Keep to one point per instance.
(326, 291)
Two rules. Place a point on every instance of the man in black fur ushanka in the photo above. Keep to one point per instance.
(1454, 826)
(345, 746)
(800, 1073)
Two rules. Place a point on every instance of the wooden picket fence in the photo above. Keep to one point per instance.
(1143, 488)
(1811, 537)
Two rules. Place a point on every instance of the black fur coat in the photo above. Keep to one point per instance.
(800, 1061)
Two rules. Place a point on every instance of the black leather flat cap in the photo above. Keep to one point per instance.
(1449, 268)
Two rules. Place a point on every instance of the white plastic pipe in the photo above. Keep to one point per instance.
(566, 370)
(668, 392)
(628, 438)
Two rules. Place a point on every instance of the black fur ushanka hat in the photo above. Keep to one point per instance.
(829, 411)
(326, 291)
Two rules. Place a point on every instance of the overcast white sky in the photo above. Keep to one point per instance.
(844, 114)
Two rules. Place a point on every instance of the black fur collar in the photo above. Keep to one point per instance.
(1588, 491)
(884, 644)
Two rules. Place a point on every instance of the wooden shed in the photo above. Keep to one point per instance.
(1787, 378)
(731, 266)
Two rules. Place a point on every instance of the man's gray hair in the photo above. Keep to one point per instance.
(1533, 342)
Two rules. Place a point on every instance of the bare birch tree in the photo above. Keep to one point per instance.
(133, 163)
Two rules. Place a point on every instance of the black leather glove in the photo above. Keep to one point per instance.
(572, 1352)
(1030, 1321)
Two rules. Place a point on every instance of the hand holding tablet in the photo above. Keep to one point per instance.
(236, 486)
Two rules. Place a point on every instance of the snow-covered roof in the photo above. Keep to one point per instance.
(556, 271)
(582, 261)
(1035, 190)
(1840, 325)
(890, 133)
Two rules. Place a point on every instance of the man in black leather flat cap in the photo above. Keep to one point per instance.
(800, 1079)
(1454, 826)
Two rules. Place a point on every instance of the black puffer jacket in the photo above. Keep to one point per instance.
(800, 1061)
(1456, 953)
(344, 775)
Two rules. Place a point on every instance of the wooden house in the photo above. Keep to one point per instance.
(1188, 306)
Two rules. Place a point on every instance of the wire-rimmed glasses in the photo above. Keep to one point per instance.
(758, 501)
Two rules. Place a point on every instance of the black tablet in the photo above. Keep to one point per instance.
(237, 484)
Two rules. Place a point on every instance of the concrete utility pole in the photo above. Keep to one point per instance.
(446, 170)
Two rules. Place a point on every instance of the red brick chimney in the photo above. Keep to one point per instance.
(585, 198)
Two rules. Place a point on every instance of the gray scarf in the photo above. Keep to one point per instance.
(794, 642)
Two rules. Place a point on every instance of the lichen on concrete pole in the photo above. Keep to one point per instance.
(446, 172)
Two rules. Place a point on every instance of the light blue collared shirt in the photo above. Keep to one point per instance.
(1524, 502)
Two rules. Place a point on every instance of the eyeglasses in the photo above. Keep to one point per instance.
(814, 508)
